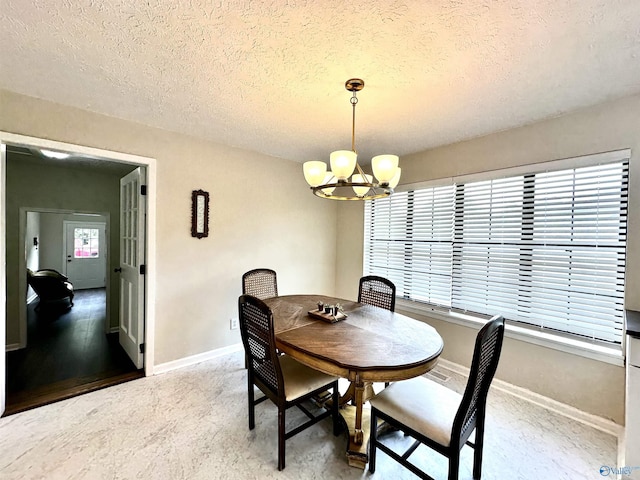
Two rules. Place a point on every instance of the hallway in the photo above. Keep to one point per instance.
(68, 353)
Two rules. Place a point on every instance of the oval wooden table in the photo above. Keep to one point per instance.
(370, 345)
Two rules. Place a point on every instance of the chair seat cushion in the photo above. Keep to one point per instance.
(300, 379)
(426, 406)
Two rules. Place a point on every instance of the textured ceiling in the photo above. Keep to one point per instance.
(269, 75)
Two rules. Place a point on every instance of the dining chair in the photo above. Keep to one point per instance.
(283, 380)
(261, 283)
(377, 291)
(437, 416)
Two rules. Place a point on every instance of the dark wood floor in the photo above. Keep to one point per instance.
(68, 353)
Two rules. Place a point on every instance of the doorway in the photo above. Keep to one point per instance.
(97, 159)
(44, 234)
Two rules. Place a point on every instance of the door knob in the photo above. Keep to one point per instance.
(117, 270)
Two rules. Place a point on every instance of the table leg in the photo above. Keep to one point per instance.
(359, 390)
(356, 417)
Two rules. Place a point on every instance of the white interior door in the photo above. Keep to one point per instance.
(85, 254)
(131, 270)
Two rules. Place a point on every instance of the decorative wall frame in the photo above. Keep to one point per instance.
(199, 214)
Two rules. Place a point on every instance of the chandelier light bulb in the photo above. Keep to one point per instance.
(343, 163)
(329, 178)
(384, 167)
(314, 172)
(357, 178)
(396, 178)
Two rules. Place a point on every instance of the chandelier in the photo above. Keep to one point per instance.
(336, 184)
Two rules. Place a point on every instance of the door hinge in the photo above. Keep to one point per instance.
(142, 348)
(143, 269)
(143, 189)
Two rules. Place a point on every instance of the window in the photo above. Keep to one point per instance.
(85, 243)
(544, 248)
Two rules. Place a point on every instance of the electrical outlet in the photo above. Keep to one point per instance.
(233, 323)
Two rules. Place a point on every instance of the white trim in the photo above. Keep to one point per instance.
(561, 343)
(438, 182)
(99, 153)
(150, 280)
(3, 273)
(113, 329)
(13, 346)
(193, 359)
(538, 167)
(599, 423)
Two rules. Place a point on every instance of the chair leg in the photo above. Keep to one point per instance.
(335, 414)
(252, 406)
(373, 438)
(454, 464)
(281, 439)
(477, 454)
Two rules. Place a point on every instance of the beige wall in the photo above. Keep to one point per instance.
(262, 215)
(199, 280)
(589, 385)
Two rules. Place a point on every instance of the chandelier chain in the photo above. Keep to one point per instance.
(354, 101)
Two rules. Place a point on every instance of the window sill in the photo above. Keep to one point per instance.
(585, 349)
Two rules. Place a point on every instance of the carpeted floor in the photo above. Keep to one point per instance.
(191, 424)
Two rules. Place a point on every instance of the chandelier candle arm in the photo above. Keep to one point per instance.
(335, 184)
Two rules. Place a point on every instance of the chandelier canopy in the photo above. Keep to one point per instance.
(335, 184)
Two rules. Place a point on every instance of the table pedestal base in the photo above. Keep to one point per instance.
(357, 453)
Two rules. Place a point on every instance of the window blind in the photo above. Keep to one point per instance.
(546, 249)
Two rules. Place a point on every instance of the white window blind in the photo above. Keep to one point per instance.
(546, 249)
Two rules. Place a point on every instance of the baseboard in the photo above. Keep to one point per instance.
(599, 423)
(193, 359)
(10, 347)
(114, 329)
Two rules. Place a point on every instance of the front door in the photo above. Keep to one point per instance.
(132, 263)
(85, 254)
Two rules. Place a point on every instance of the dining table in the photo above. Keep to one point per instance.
(367, 345)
